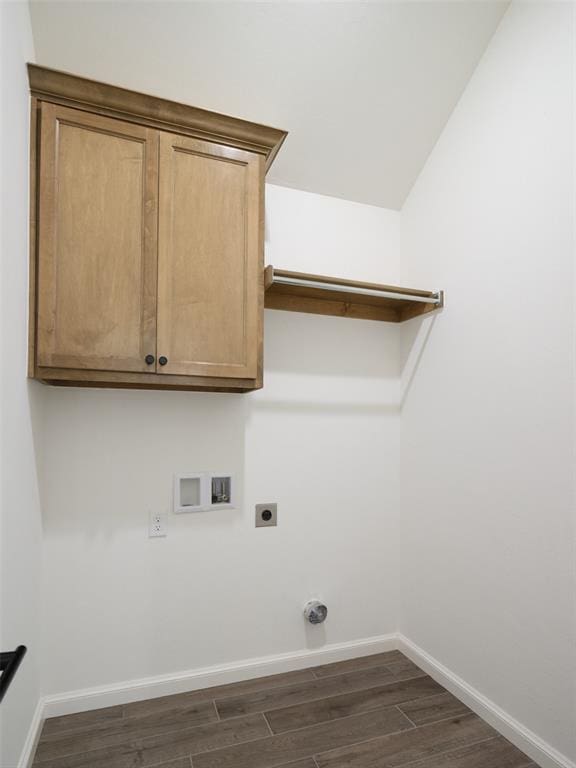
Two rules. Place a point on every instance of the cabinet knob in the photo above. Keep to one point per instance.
(149, 359)
(162, 360)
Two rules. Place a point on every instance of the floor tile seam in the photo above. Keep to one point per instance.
(334, 720)
(406, 716)
(322, 698)
(112, 746)
(91, 731)
(336, 674)
(304, 757)
(289, 685)
(396, 733)
(375, 708)
(448, 717)
(120, 719)
(263, 690)
(163, 763)
(432, 696)
(268, 724)
(207, 700)
(69, 731)
(474, 743)
(39, 764)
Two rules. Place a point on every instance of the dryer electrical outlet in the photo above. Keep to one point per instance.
(266, 515)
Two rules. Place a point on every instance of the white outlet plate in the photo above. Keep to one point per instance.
(157, 525)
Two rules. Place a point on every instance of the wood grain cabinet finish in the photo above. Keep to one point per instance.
(208, 278)
(147, 240)
(97, 246)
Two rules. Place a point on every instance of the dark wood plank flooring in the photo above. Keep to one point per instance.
(377, 711)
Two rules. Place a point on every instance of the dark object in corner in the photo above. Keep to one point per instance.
(9, 663)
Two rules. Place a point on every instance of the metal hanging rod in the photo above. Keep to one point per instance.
(433, 298)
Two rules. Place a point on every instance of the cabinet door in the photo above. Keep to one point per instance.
(97, 248)
(210, 271)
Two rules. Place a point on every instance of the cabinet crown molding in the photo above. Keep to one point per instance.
(112, 100)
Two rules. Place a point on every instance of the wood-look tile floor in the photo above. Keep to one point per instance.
(378, 711)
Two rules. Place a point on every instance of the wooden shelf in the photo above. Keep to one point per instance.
(319, 295)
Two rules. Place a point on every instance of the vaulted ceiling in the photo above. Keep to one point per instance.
(364, 88)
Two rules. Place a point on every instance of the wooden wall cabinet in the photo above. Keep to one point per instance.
(146, 240)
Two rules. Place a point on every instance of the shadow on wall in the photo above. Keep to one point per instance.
(330, 365)
(37, 405)
(315, 636)
(304, 344)
(110, 455)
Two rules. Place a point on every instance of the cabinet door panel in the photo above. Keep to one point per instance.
(97, 242)
(209, 259)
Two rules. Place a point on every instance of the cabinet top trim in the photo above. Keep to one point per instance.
(72, 90)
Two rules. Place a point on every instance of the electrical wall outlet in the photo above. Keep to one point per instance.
(157, 525)
(266, 515)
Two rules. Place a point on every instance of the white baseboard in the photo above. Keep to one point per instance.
(536, 748)
(206, 677)
(34, 731)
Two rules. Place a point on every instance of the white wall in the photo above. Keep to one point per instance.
(20, 526)
(321, 439)
(487, 427)
(293, 65)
